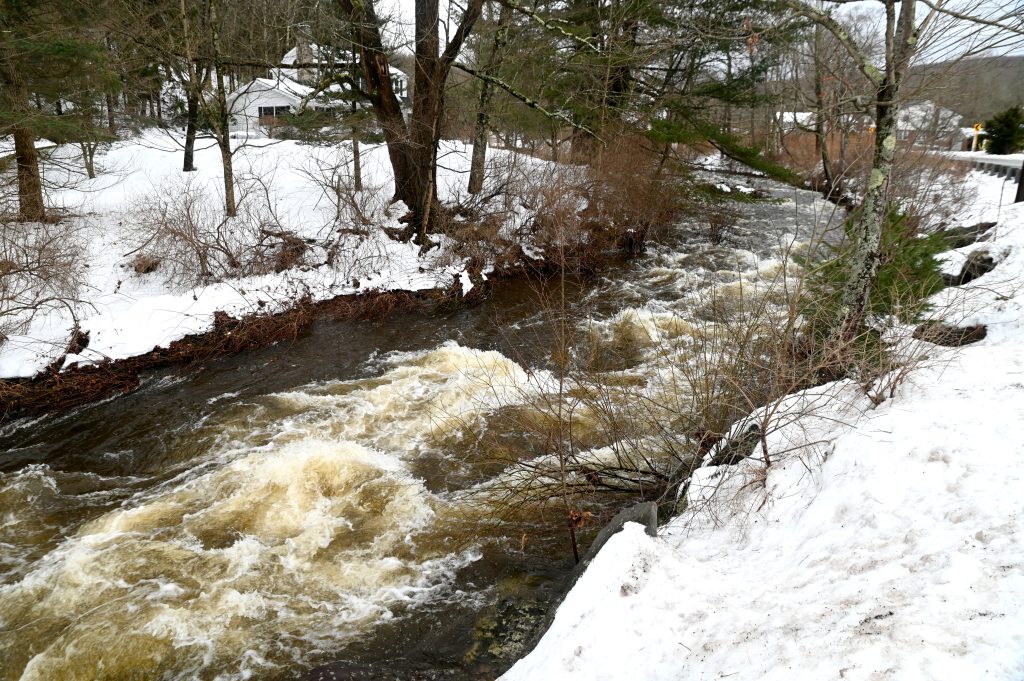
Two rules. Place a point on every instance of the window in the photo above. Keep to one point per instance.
(268, 112)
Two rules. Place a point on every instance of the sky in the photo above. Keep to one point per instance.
(948, 39)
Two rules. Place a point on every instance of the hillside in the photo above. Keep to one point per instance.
(974, 88)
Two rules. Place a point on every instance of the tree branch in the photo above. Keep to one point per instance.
(550, 25)
(533, 104)
(994, 23)
(870, 71)
(469, 17)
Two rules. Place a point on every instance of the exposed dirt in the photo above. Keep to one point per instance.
(54, 390)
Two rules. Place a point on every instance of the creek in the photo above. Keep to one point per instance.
(305, 504)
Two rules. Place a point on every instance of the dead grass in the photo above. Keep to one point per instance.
(56, 391)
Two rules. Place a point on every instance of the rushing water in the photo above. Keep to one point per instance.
(302, 504)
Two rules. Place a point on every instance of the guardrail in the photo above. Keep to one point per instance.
(1009, 169)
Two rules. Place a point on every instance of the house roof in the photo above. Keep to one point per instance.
(324, 55)
(797, 119)
(927, 115)
(290, 89)
(319, 54)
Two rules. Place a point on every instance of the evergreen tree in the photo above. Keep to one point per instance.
(49, 60)
(1004, 132)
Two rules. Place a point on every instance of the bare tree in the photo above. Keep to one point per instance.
(412, 145)
(903, 35)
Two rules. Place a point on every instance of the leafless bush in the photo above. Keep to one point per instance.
(41, 268)
(187, 233)
(568, 217)
(930, 188)
(356, 208)
(638, 404)
(719, 220)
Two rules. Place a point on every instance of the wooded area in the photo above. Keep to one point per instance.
(588, 82)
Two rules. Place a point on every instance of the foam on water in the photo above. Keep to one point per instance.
(301, 527)
(420, 396)
(285, 525)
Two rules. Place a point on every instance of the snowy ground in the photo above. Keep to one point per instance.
(883, 543)
(129, 314)
(982, 156)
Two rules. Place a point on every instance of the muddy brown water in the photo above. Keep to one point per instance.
(303, 504)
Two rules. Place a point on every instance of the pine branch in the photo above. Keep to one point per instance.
(531, 103)
(551, 25)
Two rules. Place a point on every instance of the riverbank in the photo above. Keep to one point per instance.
(318, 500)
(143, 271)
(143, 256)
(882, 541)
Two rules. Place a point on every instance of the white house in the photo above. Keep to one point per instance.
(926, 124)
(256, 108)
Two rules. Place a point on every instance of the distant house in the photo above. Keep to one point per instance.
(257, 108)
(920, 124)
(926, 124)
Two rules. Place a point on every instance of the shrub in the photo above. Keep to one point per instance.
(1004, 132)
(186, 235)
(908, 274)
(41, 269)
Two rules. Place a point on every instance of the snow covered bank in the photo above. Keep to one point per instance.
(126, 313)
(883, 542)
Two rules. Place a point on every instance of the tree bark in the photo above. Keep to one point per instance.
(224, 144)
(111, 122)
(14, 98)
(477, 165)
(30, 183)
(901, 41)
(88, 157)
(357, 168)
(483, 111)
(221, 122)
(412, 148)
(820, 130)
(191, 125)
(1020, 186)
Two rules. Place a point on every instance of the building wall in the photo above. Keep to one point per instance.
(246, 107)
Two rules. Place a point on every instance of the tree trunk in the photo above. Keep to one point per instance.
(476, 168)
(111, 123)
(868, 227)
(1020, 186)
(727, 122)
(357, 168)
(14, 97)
(224, 144)
(88, 157)
(221, 122)
(192, 123)
(30, 184)
(412, 148)
(901, 41)
(483, 111)
(820, 130)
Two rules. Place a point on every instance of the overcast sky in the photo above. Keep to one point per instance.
(949, 39)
